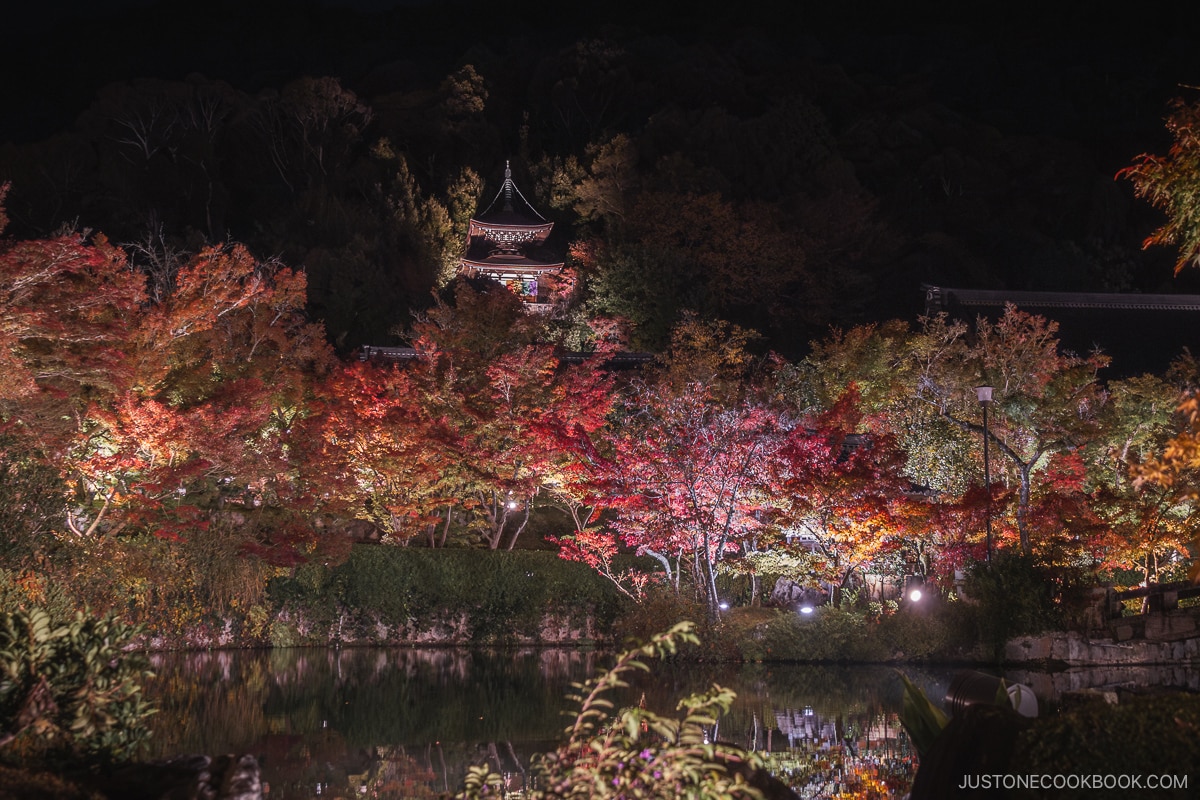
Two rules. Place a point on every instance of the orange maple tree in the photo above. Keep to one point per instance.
(158, 413)
(377, 451)
(504, 406)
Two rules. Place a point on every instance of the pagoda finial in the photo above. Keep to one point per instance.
(508, 187)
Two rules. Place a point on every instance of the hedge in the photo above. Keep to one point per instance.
(502, 596)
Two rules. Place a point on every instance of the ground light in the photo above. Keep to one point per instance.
(914, 588)
(806, 609)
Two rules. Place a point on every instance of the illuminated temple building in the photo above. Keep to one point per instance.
(505, 243)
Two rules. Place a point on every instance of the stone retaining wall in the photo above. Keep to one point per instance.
(295, 628)
(1075, 649)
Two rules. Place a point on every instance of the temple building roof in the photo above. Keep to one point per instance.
(942, 298)
(1140, 332)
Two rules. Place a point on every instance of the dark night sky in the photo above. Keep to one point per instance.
(1027, 67)
(1084, 76)
(59, 53)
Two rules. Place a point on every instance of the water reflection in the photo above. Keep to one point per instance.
(827, 731)
(403, 723)
(1052, 687)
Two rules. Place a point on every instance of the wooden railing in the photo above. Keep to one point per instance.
(1161, 596)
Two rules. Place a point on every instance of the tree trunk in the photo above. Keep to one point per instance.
(524, 521)
(660, 558)
(446, 527)
(1023, 509)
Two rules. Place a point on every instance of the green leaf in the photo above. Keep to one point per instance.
(921, 718)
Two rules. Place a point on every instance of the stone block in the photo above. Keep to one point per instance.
(1028, 648)
(1078, 648)
(1058, 646)
(1169, 626)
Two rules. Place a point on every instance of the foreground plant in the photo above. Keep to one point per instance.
(637, 753)
(70, 689)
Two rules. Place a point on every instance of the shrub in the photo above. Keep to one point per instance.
(21, 591)
(20, 784)
(70, 690)
(1013, 596)
(636, 752)
(500, 594)
(846, 634)
(944, 631)
(1155, 735)
(829, 634)
(660, 604)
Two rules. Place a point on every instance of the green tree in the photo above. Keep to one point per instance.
(920, 387)
(1146, 525)
(875, 360)
(1045, 400)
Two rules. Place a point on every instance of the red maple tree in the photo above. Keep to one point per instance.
(844, 494)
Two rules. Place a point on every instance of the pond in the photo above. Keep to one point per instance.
(406, 723)
(395, 723)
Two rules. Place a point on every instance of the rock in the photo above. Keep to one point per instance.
(240, 778)
(195, 777)
(789, 594)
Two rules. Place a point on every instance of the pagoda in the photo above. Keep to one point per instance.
(505, 244)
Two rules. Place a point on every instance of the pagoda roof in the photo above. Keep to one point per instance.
(507, 237)
(503, 221)
(512, 263)
(510, 209)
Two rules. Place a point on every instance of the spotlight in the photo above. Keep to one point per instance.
(914, 588)
(806, 609)
(724, 606)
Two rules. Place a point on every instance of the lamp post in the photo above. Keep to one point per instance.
(984, 393)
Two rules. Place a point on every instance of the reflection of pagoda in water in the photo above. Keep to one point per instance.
(505, 244)
(862, 755)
